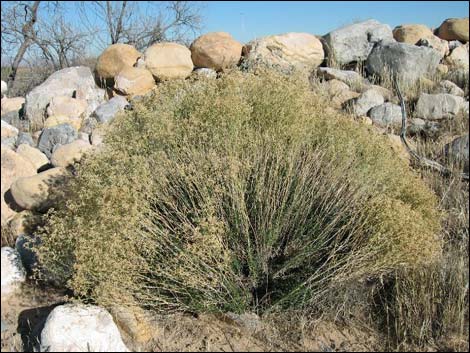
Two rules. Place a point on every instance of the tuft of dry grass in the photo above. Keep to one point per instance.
(238, 194)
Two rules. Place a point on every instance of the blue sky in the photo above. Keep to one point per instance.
(246, 20)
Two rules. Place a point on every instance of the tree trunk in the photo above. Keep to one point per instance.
(28, 34)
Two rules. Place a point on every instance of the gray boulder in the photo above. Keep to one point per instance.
(24, 138)
(107, 111)
(458, 150)
(361, 105)
(438, 106)
(449, 87)
(408, 62)
(353, 43)
(72, 82)
(55, 136)
(387, 114)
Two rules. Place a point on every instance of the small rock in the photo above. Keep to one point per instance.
(55, 136)
(366, 101)
(24, 138)
(450, 88)
(387, 114)
(106, 112)
(205, 72)
(346, 76)
(13, 272)
(4, 88)
(437, 106)
(81, 328)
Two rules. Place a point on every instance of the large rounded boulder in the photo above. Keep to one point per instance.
(454, 29)
(168, 61)
(134, 81)
(216, 50)
(115, 58)
(285, 52)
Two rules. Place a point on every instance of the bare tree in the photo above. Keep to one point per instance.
(16, 31)
(141, 23)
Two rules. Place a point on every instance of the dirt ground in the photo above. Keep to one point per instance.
(23, 317)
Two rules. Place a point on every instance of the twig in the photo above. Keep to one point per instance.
(422, 160)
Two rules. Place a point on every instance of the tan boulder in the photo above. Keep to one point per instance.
(301, 51)
(34, 192)
(66, 155)
(115, 58)
(458, 58)
(36, 157)
(454, 29)
(416, 33)
(167, 61)
(133, 81)
(63, 119)
(411, 33)
(13, 166)
(21, 222)
(11, 104)
(216, 50)
(8, 130)
(68, 106)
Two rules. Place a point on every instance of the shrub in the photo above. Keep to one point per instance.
(242, 193)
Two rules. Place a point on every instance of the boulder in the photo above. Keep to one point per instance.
(167, 61)
(365, 102)
(33, 155)
(20, 224)
(4, 88)
(24, 138)
(11, 104)
(387, 114)
(457, 150)
(55, 120)
(411, 33)
(114, 59)
(440, 45)
(347, 76)
(454, 29)
(55, 136)
(133, 81)
(284, 52)
(353, 43)
(81, 328)
(450, 88)
(28, 257)
(13, 273)
(66, 155)
(408, 62)
(338, 92)
(106, 112)
(13, 166)
(458, 58)
(216, 50)
(67, 106)
(8, 130)
(438, 106)
(75, 82)
(459, 76)
(34, 193)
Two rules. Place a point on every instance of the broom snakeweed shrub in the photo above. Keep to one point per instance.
(241, 193)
